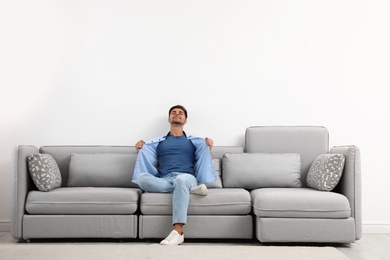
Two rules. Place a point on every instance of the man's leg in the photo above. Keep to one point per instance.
(150, 183)
(181, 199)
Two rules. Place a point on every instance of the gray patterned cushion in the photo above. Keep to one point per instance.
(325, 172)
(44, 171)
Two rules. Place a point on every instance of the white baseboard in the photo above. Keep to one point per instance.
(377, 228)
(5, 225)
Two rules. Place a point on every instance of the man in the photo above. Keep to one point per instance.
(175, 163)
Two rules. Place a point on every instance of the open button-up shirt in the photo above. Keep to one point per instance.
(147, 160)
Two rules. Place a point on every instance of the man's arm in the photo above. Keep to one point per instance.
(140, 143)
(146, 161)
(204, 166)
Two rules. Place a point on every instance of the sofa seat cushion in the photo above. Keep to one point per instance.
(218, 202)
(83, 201)
(299, 203)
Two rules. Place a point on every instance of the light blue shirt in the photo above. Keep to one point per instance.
(204, 166)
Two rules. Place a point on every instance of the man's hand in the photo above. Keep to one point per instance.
(209, 142)
(139, 144)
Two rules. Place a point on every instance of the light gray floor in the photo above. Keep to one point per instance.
(371, 246)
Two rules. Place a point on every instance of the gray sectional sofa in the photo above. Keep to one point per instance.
(261, 192)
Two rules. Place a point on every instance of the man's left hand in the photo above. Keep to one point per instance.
(209, 142)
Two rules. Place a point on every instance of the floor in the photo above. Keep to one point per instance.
(369, 247)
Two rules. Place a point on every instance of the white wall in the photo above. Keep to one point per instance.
(106, 72)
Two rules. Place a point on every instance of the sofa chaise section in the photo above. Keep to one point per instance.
(305, 214)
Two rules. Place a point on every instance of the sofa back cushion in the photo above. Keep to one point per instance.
(102, 170)
(307, 141)
(261, 170)
(62, 155)
(217, 153)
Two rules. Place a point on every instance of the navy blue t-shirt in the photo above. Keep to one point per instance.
(176, 154)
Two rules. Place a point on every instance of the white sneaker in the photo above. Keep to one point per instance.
(199, 190)
(174, 238)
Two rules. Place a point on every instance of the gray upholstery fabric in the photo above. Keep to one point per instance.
(299, 203)
(261, 170)
(62, 154)
(217, 202)
(102, 170)
(83, 200)
(80, 226)
(325, 172)
(44, 171)
(350, 184)
(217, 152)
(310, 230)
(21, 185)
(308, 141)
(199, 226)
(268, 229)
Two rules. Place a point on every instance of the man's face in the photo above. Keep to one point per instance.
(177, 117)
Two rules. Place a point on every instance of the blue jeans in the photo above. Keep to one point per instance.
(177, 183)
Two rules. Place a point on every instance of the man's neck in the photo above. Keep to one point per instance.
(176, 131)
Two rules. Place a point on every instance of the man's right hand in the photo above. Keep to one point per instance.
(139, 144)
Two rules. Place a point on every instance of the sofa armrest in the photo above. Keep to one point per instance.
(21, 185)
(350, 183)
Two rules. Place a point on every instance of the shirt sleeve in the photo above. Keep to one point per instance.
(204, 167)
(146, 161)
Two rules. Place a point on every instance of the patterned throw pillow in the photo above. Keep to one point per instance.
(44, 171)
(325, 172)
